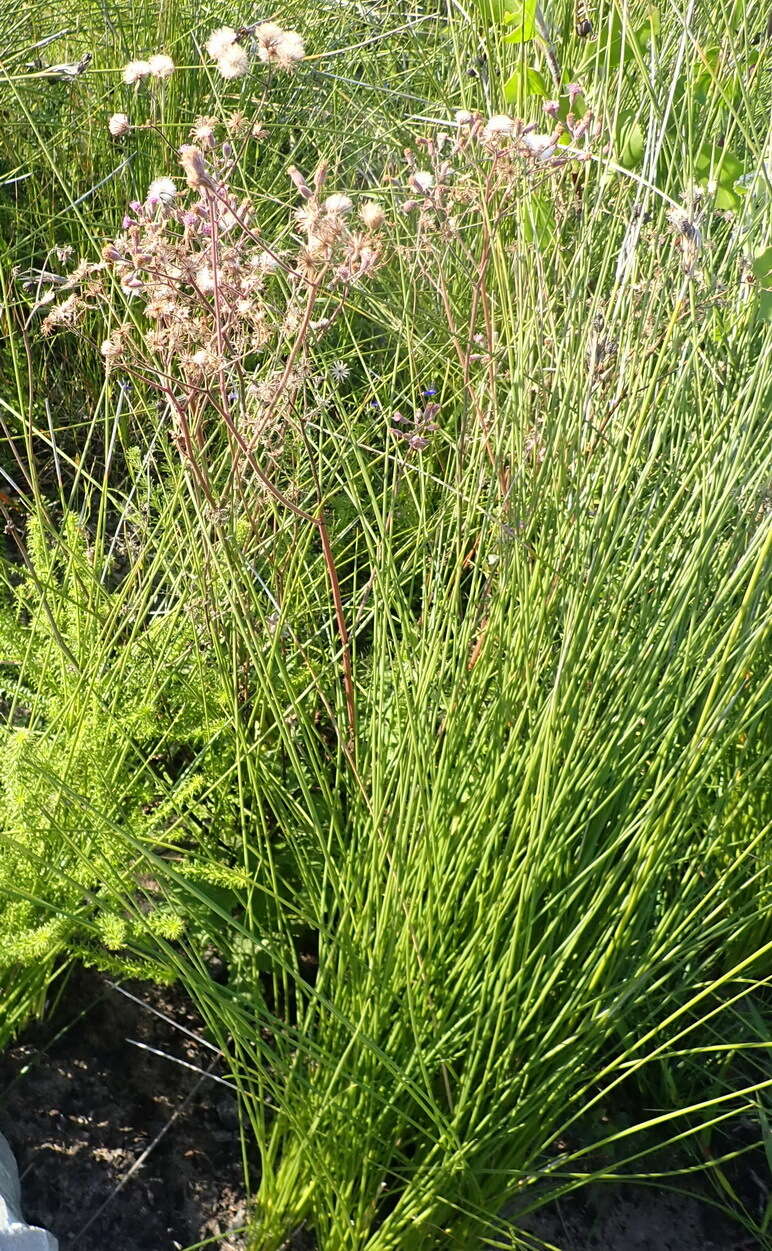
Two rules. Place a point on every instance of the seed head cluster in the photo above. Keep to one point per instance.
(220, 304)
(230, 49)
(337, 244)
(504, 149)
(158, 66)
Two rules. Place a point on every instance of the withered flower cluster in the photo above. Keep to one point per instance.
(333, 246)
(503, 148)
(222, 306)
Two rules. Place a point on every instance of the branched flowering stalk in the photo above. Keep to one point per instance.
(468, 181)
(216, 299)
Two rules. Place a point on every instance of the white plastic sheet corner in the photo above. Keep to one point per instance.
(15, 1233)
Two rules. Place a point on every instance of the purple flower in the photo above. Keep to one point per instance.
(429, 391)
(418, 442)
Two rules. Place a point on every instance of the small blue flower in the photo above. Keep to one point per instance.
(429, 391)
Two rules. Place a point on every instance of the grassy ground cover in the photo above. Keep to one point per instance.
(384, 603)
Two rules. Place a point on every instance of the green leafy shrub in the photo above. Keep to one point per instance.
(110, 709)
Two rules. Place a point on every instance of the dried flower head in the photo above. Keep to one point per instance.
(422, 181)
(203, 132)
(337, 205)
(236, 123)
(372, 215)
(65, 314)
(219, 41)
(119, 125)
(300, 182)
(135, 71)
(192, 161)
(320, 175)
(233, 62)
(161, 66)
(279, 47)
(498, 127)
(161, 191)
(112, 349)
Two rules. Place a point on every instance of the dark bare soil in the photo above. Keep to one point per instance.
(80, 1110)
(607, 1218)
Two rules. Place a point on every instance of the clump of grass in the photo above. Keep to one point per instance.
(479, 632)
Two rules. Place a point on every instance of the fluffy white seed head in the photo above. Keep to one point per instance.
(337, 205)
(119, 125)
(219, 41)
(540, 146)
(233, 62)
(135, 71)
(279, 47)
(498, 127)
(161, 66)
(267, 36)
(205, 279)
(290, 50)
(161, 191)
(203, 132)
(372, 215)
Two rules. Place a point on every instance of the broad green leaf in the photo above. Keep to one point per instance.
(716, 164)
(520, 15)
(529, 82)
(539, 221)
(536, 83)
(727, 198)
(762, 265)
(629, 140)
(512, 87)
